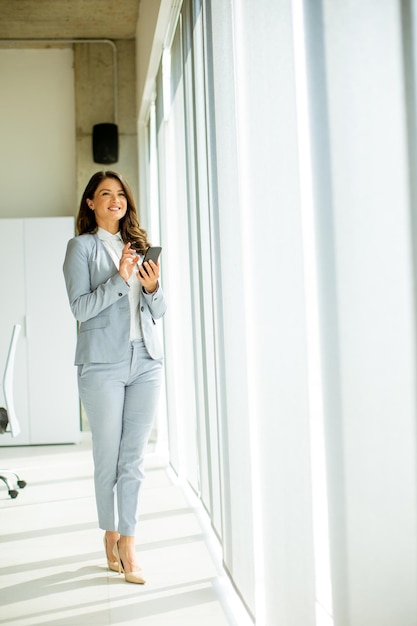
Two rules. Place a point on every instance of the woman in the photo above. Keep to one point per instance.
(118, 353)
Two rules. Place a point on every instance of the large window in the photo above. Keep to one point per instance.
(283, 135)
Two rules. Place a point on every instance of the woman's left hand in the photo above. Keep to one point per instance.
(148, 275)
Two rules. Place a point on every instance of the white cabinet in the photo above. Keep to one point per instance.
(32, 293)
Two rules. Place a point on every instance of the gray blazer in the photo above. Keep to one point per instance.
(98, 299)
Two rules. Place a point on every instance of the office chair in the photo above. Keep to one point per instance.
(8, 416)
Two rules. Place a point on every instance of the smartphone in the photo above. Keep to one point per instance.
(152, 254)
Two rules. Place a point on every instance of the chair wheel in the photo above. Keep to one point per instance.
(21, 483)
(13, 493)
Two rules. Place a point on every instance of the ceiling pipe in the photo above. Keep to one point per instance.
(75, 41)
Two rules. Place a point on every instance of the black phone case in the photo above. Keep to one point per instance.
(152, 254)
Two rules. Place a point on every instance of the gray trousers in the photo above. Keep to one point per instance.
(120, 400)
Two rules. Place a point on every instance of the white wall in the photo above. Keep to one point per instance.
(37, 130)
(152, 27)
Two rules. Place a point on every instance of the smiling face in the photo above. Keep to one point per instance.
(109, 204)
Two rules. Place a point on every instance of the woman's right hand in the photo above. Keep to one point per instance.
(127, 262)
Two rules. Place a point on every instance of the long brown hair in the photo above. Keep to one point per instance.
(130, 230)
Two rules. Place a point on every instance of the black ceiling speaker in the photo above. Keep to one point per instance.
(105, 143)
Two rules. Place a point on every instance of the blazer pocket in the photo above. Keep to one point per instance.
(95, 322)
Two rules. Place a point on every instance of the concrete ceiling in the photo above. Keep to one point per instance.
(68, 19)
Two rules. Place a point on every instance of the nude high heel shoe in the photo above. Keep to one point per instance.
(112, 565)
(130, 577)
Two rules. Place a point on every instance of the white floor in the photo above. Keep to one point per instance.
(52, 565)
